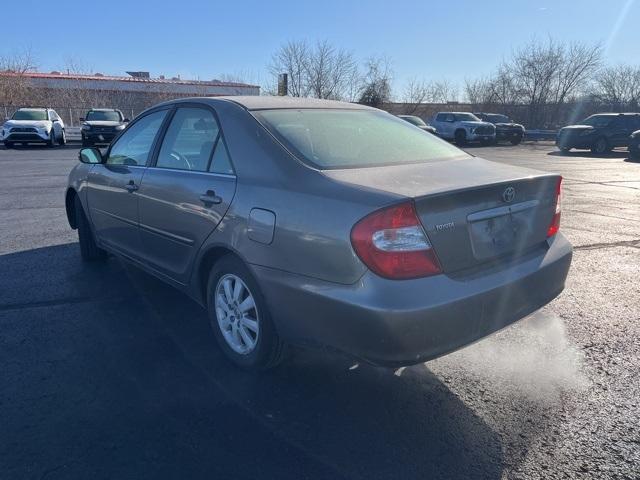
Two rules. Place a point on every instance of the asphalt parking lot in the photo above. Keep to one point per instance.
(108, 373)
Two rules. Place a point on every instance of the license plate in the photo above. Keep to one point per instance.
(498, 235)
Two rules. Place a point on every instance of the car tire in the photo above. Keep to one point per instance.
(89, 249)
(8, 144)
(86, 143)
(63, 138)
(263, 349)
(600, 146)
(460, 137)
(634, 151)
(52, 139)
(516, 141)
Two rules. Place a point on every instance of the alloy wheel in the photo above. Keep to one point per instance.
(237, 314)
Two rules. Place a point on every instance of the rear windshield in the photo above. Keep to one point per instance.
(330, 139)
(30, 115)
(102, 116)
(415, 120)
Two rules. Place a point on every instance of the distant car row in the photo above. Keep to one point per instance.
(465, 127)
(44, 125)
(599, 133)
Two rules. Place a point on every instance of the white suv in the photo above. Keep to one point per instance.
(33, 125)
(463, 127)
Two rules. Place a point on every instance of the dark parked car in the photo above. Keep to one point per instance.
(506, 129)
(600, 133)
(634, 145)
(316, 222)
(418, 122)
(101, 125)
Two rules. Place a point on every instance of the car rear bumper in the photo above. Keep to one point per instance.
(395, 323)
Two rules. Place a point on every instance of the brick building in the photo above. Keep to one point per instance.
(72, 94)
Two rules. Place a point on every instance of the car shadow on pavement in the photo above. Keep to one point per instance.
(587, 153)
(108, 372)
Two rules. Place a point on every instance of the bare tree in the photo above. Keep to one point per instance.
(329, 71)
(293, 59)
(618, 87)
(415, 93)
(15, 88)
(533, 69)
(376, 88)
(578, 65)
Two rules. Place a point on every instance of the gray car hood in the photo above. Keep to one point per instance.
(430, 178)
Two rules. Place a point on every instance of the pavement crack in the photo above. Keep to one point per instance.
(621, 243)
(45, 303)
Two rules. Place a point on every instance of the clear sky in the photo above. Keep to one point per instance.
(203, 39)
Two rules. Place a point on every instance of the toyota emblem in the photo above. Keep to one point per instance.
(509, 194)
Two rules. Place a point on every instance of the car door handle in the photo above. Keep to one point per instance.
(131, 186)
(210, 198)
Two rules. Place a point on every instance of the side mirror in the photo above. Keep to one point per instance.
(126, 120)
(91, 156)
(81, 119)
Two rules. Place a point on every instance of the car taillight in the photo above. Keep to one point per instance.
(392, 243)
(554, 226)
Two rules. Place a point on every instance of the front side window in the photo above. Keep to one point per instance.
(135, 144)
(189, 140)
(598, 121)
(354, 138)
(30, 115)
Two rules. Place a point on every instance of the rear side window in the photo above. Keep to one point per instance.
(189, 141)
(133, 147)
(220, 163)
(353, 138)
(633, 122)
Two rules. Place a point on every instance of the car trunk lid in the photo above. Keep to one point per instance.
(473, 210)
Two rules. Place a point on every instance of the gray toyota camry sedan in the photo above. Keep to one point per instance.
(321, 223)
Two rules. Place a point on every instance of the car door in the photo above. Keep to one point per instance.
(448, 127)
(438, 124)
(619, 131)
(113, 186)
(185, 192)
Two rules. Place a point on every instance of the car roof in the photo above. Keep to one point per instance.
(259, 102)
(34, 108)
(104, 110)
(455, 113)
(612, 114)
